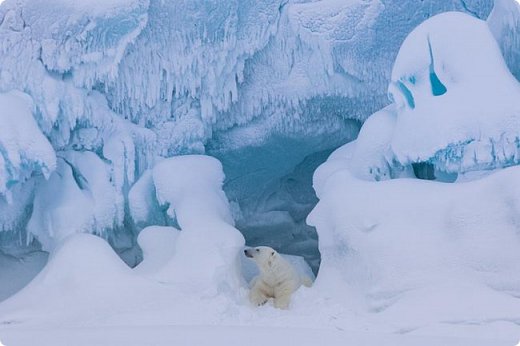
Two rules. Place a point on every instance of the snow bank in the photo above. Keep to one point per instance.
(82, 279)
(458, 104)
(384, 243)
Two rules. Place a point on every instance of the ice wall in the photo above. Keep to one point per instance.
(127, 83)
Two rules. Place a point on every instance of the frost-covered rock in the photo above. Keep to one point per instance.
(458, 104)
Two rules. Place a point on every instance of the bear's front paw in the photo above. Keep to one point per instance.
(261, 303)
(258, 301)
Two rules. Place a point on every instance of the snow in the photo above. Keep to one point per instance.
(77, 198)
(191, 188)
(157, 244)
(404, 249)
(87, 294)
(458, 104)
(106, 148)
(211, 336)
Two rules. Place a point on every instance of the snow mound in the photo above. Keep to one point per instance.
(157, 244)
(83, 277)
(458, 104)
(188, 192)
(385, 242)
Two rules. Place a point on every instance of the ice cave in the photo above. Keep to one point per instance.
(374, 143)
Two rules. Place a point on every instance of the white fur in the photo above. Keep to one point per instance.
(278, 279)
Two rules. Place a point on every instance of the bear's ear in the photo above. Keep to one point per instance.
(272, 253)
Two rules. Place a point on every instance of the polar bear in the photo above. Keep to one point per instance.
(278, 279)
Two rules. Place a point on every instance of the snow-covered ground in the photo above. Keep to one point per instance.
(108, 115)
(225, 335)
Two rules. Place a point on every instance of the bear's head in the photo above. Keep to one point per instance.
(262, 255)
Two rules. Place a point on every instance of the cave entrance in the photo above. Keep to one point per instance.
(271, 193)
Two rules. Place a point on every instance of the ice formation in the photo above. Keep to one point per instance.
(458, 104)
(131, 82)
(409, 250)
(189, 188)
(270, 91)
(24, 149)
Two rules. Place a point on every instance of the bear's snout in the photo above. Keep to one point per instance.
(248, 253)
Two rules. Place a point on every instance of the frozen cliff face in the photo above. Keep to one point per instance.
(126, 83)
